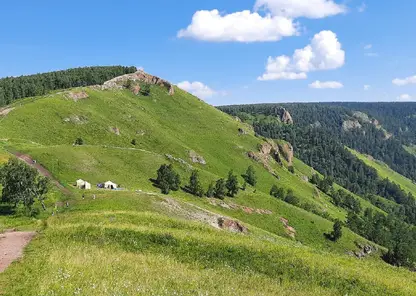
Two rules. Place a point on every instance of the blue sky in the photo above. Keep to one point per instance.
(222, 55)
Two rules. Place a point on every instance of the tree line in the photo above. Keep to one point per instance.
(13, 88)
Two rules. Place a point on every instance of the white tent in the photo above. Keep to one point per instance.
(87, 186)
(110, 185)
(80, 183)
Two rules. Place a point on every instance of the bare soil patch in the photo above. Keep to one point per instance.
(12, 244)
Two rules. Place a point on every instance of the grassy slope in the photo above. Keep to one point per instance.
(102, 247)
(171, 125)
(385, 172)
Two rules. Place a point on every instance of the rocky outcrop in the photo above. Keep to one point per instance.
(76, 95)
(5, 111)
(242, 131)
(195, 158)
(363, 251)
(231, 225)
(363, 117)
(348, 125)
(286, 117)
(75, 119)
(286, 149)
(289, 229)
(139, 76)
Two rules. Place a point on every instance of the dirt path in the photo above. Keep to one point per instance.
(12, 245)
(41, 170)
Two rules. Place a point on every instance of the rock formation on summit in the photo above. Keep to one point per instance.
(139, 76)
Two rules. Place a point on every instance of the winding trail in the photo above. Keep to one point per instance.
(44, 172)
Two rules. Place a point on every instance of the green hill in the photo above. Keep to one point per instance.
(103, 246)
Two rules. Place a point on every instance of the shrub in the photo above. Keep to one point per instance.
(145, 89)
(79, 141)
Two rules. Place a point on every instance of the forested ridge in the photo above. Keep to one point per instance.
(13, 88)
(320, 137)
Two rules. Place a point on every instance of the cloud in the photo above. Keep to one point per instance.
(362, 7)
(197, 88)
(405, 81)
(326, 84)
(277, 20)
(242, 26)
(313, 9)
(323, 53)
(368, 46)
(367, 87)
(404, 98)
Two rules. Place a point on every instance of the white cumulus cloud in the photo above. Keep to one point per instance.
(368, 46)
(243, 26)
(405, 81)
(323, 53)
(367, 87)
(197, 88)
(326, 84)
(404, 98)
(314, 9)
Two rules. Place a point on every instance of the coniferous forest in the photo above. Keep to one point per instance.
(322, 135)
(13, 88)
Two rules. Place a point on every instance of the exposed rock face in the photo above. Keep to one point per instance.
(139, 76)
(286, 150)
(231, 225)
(76, 95)
(289, 229)
(364, 251)
(286, 117)
(195, 158)
(350, 125)
(267, 152)
(5, 111)
(361, 116)
(76, 119)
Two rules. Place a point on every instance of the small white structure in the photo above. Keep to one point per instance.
(81, 184)
(87, 186)
(110, 185)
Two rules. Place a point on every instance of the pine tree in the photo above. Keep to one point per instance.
(195, 186)
(232, 184)
(220, 189)
(211, 190)
(336, 233)
(250, 176)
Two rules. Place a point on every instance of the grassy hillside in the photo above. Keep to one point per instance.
(103, 246)
(100, 247)
(384, 171)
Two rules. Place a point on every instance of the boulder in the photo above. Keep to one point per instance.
(231, 225)
(195, 158)
(76, 95)
(115, 130)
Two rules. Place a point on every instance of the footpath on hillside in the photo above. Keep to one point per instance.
(12, 244)
(44, 172)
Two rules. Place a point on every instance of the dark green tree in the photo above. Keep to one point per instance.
(232, 184)
(250, 176)
(168, 179)
(195, 186)
(79, 141)
(211, 190)
(336, 233)
(133, 142)
(220, 189)
(22, 184)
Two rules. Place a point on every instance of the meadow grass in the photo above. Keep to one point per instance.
(132, 247)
